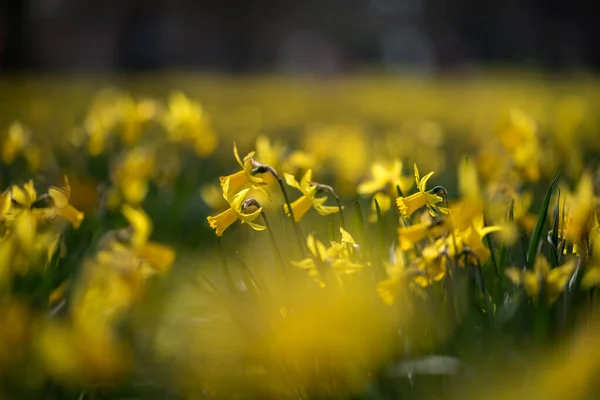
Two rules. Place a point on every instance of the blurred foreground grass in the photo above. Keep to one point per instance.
(124, 272)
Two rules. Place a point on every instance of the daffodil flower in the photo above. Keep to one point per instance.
(245, 177)
(401, 278)
(19, 210)
(133, 172)
(20, 199)
(268, 152)
(408, 205)
(468, 239)
(429, 270)
(338, 256)
(592, 268)
(187, 120)
(581, 208)
(308, 199)
(25, 199)
(410, 235)
(16, 140)
(235, 211)
(384, 176)
(472, 237)
(60, 198)
(159, 257)
(553, 280)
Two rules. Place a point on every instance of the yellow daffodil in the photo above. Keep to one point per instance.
(20, 199)
(186, 120)
(159, 257)
(468, 238)
(25, 200)
(429, 271)
(308, 199)
(299, 160)
(520, 138)
(133, 174)
(338, 257)
(269, 152)
(60, 198)
(592, 269)
(410, 235)
(15, 142)
(408, 205)
(472, 238)
(500, 195)
(553, 280)
(235, 211)
(383, 185)
(135, 115)
(22, 215)
(580, 210)
(239, 180)
(385, 177)
(401, 278)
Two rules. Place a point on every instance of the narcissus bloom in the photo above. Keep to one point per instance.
(308, 199)
(385, 177)
(553, 280)
(580, 210)
(339, 258)
(26, 200)
(238, 180)
(18, 142)
(520, 138)
(400, 279)
(235, 211)
(159, 257)
(60, 198)
(408, 236)
(408, 205)
(186, 120)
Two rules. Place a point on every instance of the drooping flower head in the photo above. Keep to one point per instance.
(385, 177)
(239, 180)
(236, 210)
(308, 199)
(408, 205)
(339, 259)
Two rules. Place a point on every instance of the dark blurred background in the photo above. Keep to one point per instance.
(319, 36)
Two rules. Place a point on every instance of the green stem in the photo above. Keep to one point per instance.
(361, 221)
(493, 255)
(225, 269)
(291, 213)
(274, 243)
(382, 250)
(337, 200)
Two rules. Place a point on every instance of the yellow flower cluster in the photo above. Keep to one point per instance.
(317, 299)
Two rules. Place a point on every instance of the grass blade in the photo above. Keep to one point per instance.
(554, 237)
(537, 233)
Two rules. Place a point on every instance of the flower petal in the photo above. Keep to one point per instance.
(291, 181)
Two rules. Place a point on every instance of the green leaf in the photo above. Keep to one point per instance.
(360, 220)
(539, 226)
(492, 254)
(554, 236)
